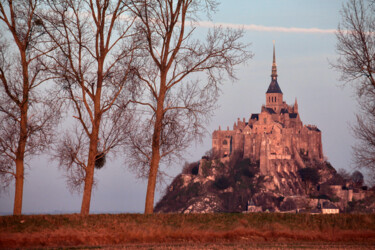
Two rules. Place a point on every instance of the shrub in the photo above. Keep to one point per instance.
(309, 175)
(288, 205)
(323, 197)
(243, 168)
(357, 178)
(222, 183)
(188, 168)
(195, 170)
(244, 163)
(246, 172)
(329, 165)
(193, 190)
(206, 167)
(335, 199)
(337, 180)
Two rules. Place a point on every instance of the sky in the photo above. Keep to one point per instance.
(303, 31)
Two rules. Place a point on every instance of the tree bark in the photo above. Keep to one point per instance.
(17, 208)
(149, 207)
(94, 139)
(155, 157)
(89, 178)
(20, 154)
(18, 197)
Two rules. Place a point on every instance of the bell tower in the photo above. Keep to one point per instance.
(274, 95)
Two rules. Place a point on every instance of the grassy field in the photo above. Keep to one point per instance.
(178, 230)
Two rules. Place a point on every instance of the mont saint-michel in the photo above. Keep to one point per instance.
(273, 136)
(268, 162)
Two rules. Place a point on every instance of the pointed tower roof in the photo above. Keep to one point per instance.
(274, 86)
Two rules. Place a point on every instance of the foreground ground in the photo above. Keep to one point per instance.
(192, 231)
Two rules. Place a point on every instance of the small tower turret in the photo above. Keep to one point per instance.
(295, 107)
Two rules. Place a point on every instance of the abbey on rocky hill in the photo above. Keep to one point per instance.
(272, 162)
(274, 136)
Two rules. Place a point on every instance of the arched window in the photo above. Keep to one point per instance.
(275, 98)
(225, 142)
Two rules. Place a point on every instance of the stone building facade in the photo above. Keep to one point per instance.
(274, 137)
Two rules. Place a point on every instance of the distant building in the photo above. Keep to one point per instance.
(329, 208)
(252, 208)
(275, 134)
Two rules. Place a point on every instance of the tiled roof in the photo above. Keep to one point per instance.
(274, 87)
(330, 206)
(283, 111)
(313, 128)
(271, 111)
(251, 203)
(254, 117)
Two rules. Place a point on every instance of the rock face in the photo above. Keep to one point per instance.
(228, 184)
(262, 160)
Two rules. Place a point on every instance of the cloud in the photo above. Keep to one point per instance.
(255, 27)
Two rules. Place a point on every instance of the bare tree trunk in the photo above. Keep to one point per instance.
(17, 208)
(155, 157)
(20, 154)
(89, 180)
(150, 195)
(94, 139)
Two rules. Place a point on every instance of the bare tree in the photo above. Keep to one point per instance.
(357, 178)
(94, 62)
(176, 103)
(356, 48)
(26, 114)
(344, 174)
(310, 176)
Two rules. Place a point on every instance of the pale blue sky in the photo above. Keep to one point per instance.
(304, 73)
(285, 13)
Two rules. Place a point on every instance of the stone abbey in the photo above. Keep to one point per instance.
(275, 137)
(259, 166)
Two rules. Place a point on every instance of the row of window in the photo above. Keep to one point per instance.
(272, 99)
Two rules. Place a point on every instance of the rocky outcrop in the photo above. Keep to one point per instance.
(209, 203)
(226, 185)
(272, 159)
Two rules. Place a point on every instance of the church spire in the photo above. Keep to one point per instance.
(274, 86)
(274, 66)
